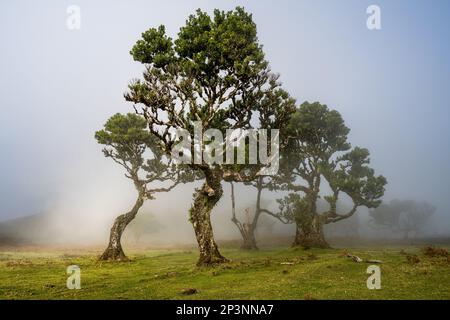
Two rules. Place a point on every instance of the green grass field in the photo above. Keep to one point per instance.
(282, 273)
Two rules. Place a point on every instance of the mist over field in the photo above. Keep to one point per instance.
(57, 87)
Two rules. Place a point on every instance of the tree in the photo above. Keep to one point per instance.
(126, 140)
(247, 229)
(143, 225)
(319, 151)
(214, 74)
(407, 216)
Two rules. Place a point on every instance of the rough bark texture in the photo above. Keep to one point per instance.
(114, 250)
(200, 215)
(309, 234)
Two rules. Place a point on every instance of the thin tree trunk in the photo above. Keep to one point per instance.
(406, 235)
(200, 215)
(247, 230)
(114, 250)
(252, 228)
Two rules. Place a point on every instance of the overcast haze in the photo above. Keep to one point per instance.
(57, 87)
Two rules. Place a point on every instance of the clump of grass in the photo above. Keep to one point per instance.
(312, 256)
(344, 253)
(19, 263)
(308, 296)
(413, 258)
(425, 271)
(189, 291)
(267, 262)
(435, 252)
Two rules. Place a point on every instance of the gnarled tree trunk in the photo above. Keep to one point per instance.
(114, 250)
(249, 238)
(200, 215)
(309, 233)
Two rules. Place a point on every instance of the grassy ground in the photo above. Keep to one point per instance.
(283, 273)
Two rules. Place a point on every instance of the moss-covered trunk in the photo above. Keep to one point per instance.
(205, 199)
(114, 250)
(309, 233)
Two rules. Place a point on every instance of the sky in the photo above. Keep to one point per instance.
(58, 86)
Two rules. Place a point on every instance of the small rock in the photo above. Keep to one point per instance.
(355, 258)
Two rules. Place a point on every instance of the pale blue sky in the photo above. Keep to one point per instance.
(58, 86)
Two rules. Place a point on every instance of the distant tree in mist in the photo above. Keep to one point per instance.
(247, 226)
(403, 216)
(319, 154)
(215, 74)
(127, 141)
(143, 225)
